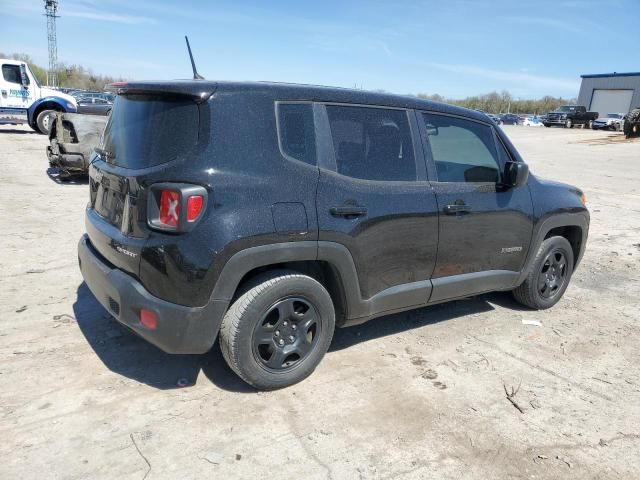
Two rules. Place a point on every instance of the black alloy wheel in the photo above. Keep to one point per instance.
(287, 333)
(548, 276)
(278, 329)
(553, 274)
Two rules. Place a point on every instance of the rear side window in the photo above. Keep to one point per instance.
(11, 73)
(372, 143)
(145, 130)
(296, 131)
(463, 150)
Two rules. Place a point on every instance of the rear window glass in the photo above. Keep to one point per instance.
(297, 131)
(372, 143)
(144, 130)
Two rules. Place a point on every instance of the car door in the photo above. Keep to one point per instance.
(101, 106)
(373, 198)
(84, 105)
(484, 227)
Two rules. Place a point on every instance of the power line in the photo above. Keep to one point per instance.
(51, 10)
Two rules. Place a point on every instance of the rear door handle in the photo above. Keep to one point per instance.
(348, 211)
(457, 208)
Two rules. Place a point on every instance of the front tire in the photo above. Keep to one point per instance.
(44, 120)
(277, 332)
(568, 123)
(548, 276)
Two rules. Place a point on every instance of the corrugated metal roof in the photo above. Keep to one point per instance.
(614, 74)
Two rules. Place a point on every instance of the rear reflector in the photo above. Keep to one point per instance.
(148, 319)
(194, 207)
(169, 208)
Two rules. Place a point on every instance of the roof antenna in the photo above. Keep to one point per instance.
(196, 75)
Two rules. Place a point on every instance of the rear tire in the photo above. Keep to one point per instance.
(548, 276)
(277, 332)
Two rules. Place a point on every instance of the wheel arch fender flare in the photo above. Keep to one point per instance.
(565, 219)
(244, 261)
(54, 102)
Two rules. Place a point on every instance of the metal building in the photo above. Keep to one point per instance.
(610, 92)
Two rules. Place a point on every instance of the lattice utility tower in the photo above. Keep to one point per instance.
(51, 10)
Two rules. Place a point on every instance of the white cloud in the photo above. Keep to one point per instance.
(511, 79)
(93, 14)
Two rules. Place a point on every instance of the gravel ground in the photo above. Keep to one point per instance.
(413, 396)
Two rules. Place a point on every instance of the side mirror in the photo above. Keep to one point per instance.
(432, 130)
(24, 78)
(516, 174)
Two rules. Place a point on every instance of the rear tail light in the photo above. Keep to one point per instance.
(169, 208)
(175, 207)
(194, 207)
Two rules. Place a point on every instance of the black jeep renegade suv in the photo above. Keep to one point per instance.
(271, 213)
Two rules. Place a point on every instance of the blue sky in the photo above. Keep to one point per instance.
(451, 47)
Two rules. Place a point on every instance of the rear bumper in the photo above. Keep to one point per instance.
(180, 329)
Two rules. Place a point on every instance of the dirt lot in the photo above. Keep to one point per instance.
(411, 396)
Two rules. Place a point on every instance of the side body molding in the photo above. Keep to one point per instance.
(394, 299)
(391, 300)
(358, 310)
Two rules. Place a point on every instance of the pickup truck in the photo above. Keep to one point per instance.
(569, 115)
(23, 100)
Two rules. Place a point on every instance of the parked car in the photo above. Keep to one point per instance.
(570, 115)
(250, 212)
(510, 119)
(88, 94)
(94, 106)
(71, 142)
(532, 122)
(611, 121)
(496, 119)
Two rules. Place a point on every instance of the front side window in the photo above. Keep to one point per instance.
(372, 143)
(297, 131)
(463, 150)
(11, 73)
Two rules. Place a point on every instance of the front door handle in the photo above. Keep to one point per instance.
(348, 211)
(457, 208)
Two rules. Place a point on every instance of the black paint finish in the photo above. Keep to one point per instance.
(394, 245)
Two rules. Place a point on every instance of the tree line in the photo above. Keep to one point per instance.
(504, 102)
(69, 76)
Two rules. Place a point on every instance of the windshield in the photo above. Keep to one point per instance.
(614, 115)
(145, 130)
(566, 108)
(35, 79)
